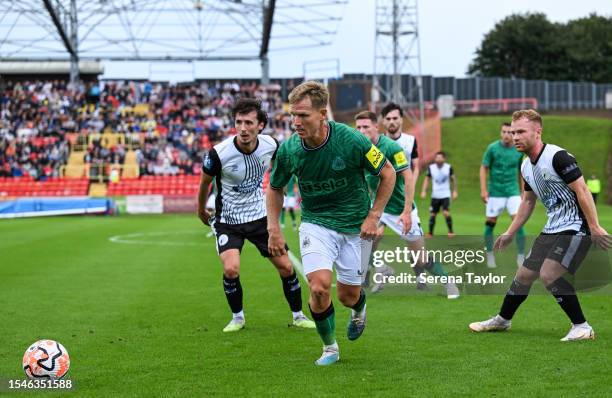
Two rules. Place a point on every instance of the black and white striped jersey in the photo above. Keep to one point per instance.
(239, 179)
(548, 178)
(440, 180)
(409, 145)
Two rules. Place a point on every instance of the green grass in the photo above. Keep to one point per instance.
(466, 138)
(144, 319)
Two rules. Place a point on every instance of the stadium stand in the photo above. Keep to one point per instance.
(53, 186)
(52, 131)
(156, 185)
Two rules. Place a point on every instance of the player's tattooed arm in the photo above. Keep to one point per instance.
(203, 214)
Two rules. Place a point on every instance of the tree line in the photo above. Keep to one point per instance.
(530, 46)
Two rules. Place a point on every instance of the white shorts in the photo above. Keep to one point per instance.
(495, 206)
(415, 233)
(289, 201)
(210, 203)
(322, 247)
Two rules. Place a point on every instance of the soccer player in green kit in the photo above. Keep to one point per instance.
(329, 160)
(501, 162)
(398, 214)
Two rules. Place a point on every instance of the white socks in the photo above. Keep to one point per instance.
(331, 347)
(359, 314)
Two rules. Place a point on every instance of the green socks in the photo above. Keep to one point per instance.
(326, 324)
(435, 268)
(488, 234)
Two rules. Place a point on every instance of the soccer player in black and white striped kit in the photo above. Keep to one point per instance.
(237, 165)
(552, 175)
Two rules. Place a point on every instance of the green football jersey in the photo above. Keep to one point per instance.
(330, 177)
(504, 164)
(394, 152)
(291, 187)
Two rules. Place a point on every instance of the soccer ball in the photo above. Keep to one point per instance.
(46, 359)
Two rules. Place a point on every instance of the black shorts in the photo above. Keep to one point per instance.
(435, 205)
(232, 236)
(568, 248)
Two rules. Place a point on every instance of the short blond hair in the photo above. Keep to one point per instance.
(367, 115)
(528, 114)
(317, 92)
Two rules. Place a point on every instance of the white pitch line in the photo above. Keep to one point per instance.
(297, 264)
(141, 238)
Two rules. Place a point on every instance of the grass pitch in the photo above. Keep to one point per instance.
(138, 303)
(144, 319)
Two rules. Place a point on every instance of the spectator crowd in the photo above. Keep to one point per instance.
(169, 127)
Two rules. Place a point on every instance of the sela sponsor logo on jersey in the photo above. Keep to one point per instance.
(322, 187)
(305, 242)
(338, 164)
(249, 185)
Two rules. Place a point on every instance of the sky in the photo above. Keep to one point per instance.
(450, 33)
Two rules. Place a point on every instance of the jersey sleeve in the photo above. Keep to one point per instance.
(566, 166)
(373, 158)
(451, 171)
(415, 151)
(428, 171)
(276, 150)
(527, 187)
(398, 158)
(487, 158)
(212, 163)
(281, 172)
